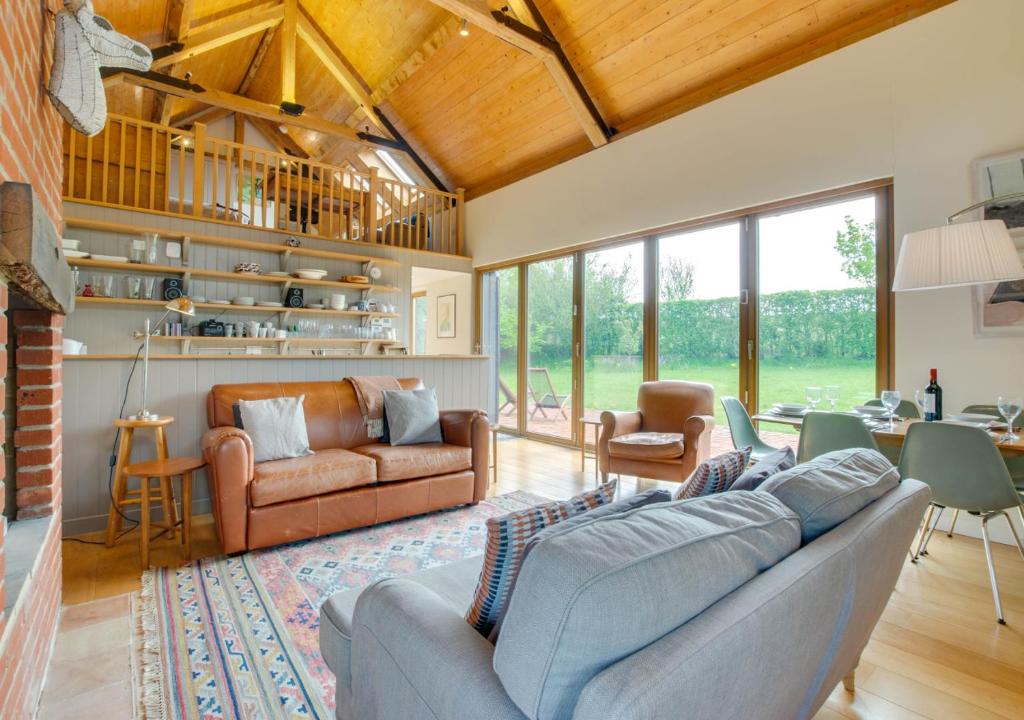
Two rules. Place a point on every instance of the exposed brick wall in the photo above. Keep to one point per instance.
(30, 127)
(3, 468)
(30, 151)
(37, 433)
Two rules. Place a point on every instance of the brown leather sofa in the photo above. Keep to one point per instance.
(350, 481)
(665, 438)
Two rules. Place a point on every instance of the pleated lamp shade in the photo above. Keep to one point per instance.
(963, 254)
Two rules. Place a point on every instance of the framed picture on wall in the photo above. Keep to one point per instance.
(446, 316)
(999, 307)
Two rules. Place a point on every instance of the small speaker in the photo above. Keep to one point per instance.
(294, 298)
(173, 288)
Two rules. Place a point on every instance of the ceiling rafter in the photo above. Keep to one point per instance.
(258, 57)
(288, 41)
(233, 27)
(176, 27)
(539, 43)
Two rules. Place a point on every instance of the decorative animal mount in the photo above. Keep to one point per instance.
(85, 42)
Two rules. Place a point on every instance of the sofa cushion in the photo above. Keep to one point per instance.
(830, 488)
(328, 471)
(764, 468)
(411, 417)
(454, 583)
(504, 551)
(647, 446)
(276, 426)
(589, 597)
(716, 474)
(407, 462)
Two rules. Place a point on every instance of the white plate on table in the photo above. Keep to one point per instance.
(790, 409)
(110, 258)
(975, 418)
(871, 411)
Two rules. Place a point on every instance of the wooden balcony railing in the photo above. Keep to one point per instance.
(139, 165)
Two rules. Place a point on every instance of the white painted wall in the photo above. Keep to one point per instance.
(461, 286)
(919, 103)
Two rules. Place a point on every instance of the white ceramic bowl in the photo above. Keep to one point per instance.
(243, 300)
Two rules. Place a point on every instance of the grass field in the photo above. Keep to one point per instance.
(609, 388)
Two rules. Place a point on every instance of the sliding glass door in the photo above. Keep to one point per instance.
(817, 304)
(550, 370)
(613, 328)
(699, 308)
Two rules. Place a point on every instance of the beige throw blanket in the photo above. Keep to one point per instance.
(370, 396)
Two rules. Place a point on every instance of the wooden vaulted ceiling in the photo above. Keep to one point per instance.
(497, 105)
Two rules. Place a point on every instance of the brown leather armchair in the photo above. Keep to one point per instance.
(665, 438)
(351, 481)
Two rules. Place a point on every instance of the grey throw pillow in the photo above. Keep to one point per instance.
(412, 417)
(833, 487)
(763, 469)
(277, 427)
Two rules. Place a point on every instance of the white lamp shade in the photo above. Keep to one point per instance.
(963, 254)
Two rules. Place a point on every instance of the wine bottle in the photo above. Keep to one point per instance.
(933, 398)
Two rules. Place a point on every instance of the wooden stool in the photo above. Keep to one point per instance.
(165, 470)
(119, 493)
(494, 451)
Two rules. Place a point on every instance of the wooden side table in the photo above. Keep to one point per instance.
(596, 424)
(120, 495)
(165, 470)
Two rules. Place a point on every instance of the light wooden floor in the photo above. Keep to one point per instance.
(937, 652)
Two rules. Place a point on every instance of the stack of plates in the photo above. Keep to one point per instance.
(268, 303)
(75, 254)
(871, 411)
(243, 300)
(110, 258)
(218, 302)
(790, 409)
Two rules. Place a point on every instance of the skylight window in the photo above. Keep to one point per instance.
(394, 166)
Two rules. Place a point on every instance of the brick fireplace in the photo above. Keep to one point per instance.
(35, 292)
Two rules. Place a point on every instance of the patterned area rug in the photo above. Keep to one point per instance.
(239, 637)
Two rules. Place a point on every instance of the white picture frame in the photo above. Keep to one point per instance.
(445, 316)
(994, 176)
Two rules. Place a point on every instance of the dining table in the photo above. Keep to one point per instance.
(896, 435)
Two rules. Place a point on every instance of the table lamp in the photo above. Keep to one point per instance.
(182, 306)
(969, 253)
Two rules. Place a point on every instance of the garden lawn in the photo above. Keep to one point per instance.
(614, 388)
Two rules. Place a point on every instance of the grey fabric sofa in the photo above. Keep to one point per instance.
(740, 605)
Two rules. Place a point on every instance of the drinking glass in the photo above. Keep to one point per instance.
(919, 400)
(133, 287)
(106, 285)
(832, 395)
(891, 401)
(813, 397)
(148, 286)
(1009, 407)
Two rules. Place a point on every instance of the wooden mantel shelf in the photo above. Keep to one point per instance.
(240, 356)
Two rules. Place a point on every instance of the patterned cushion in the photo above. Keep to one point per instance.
(506, 541)
(716, 474)
(767, 466)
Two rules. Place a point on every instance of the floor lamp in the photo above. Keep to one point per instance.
(182, 306)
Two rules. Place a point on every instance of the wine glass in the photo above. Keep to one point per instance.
(891, 400)
(832, 395)
(920, 401)
(813, 396)
(1009, 407)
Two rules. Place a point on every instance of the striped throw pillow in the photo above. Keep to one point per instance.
(506, 541)
(716, 474)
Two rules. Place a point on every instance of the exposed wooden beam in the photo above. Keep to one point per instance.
(288, 35)
(539, 43)
(205, 115)
(434, 42)
(524, 12)
(239, 135)
(176, 25)
(234, 27)
(337, 64)
(248, 106)
(283, 142)
(257, 60)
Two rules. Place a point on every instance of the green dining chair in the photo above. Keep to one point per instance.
(1015, 464)
(966, 472)
(823, 432)
(906, 408)
(742, 429)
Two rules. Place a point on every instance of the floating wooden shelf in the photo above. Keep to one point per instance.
(106, 303)
(201, 239)
(190, 272)
(188, 341)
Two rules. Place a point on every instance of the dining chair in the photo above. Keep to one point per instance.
(966, 472)
(1015, 464)
(823, 432)
(742, 429)
(906, 408)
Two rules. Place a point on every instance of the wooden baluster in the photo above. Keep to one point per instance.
(88, 169)
(121, 179)
(263, 191)
(137, 175)
(152, 168)
(370, 223)
(320, 202)
(181, 175)
(460, 221)
(288, 196)
(277, 194)
(252, 187)
(330, 205)
(198, 168)
(239, 185)
(106, 159)
(165, 195)
(215, 185)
